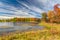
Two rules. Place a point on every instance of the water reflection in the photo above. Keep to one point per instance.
(10, 26)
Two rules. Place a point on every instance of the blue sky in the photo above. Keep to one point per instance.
(25, 8)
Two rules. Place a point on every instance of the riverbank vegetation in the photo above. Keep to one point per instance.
(33, 35)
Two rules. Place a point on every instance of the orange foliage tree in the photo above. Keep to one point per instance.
(51, 16)
(54, 16)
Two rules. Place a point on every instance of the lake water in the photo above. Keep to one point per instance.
(21, 26)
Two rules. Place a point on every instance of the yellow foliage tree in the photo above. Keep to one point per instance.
(51, 16)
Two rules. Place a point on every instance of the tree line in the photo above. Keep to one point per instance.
(21, 20)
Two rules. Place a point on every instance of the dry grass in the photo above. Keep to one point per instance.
(50, 25)
(33, 35)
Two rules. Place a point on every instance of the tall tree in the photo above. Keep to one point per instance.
(44, 16)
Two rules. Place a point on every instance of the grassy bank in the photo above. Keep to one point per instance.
(32, 35)
(50, 25)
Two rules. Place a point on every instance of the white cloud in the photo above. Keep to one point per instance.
(36, 9)
(44, 1)
(25, 5)
(5, 17)
(5, 11)
(17, 12)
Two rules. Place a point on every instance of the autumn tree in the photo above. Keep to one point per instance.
(57, 9)
(51, 16)
(57, 12)
(54, 16)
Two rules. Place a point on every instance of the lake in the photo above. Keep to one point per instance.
(20, 26)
